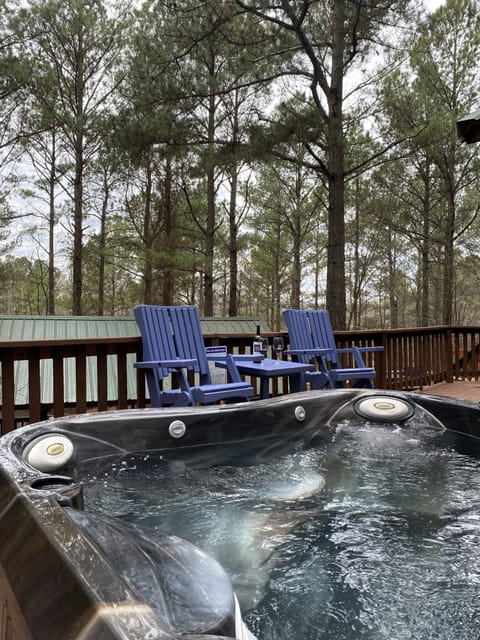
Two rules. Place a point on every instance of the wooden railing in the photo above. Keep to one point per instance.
(412, 358)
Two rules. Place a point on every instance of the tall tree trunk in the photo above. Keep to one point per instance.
(425, 252)
(170, 236)
(296, 274)
(232, 219)
(78, 183)
(51, 228)
(210, 225)
(355, 310)
(77, 259)
(449, 173)
(233, 245)
(276, 279)
(336, 290)
(102, 241)
(448, 266)
(392, 280)
(297, 235)
(147, 239)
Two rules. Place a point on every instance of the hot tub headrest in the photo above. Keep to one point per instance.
(187, 589)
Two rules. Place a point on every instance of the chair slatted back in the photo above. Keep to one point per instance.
(174, 335)
(188, 338)
(311, 330)
(322, 334)
(299, 333)
(156, 331)
(157, 343)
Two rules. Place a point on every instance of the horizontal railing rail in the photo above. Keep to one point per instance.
(43, 378)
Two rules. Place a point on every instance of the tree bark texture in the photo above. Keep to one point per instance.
(336, 291)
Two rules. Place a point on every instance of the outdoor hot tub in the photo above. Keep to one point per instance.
(349, 514)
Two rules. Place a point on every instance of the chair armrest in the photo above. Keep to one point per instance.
(307, 352)
(237, 357)
(357, 353)
(247, 357)
(360, 349)
(166, 364)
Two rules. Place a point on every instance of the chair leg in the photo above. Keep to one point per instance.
(181, 376)
(363, 384)
(320, 381)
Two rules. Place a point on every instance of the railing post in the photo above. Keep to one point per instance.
(34, 387)
(8, 392)
(122, 389)
(448, 355)
(381, 370)
(102, 388)
(140, 377)
(58, 383)
(80, 379)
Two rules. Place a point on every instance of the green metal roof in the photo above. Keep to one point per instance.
(60, 327)
(65, 327)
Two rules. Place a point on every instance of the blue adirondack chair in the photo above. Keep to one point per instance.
(160, 358)
(173, 343)
(303, 347)
(189, 341)
(311, 336)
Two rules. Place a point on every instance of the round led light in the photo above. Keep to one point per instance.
(300, 413)
(177, 429)
(384, 409)
(49, 452)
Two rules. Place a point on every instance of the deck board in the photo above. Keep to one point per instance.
(461, 389)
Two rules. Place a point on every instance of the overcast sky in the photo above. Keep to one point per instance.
(433, 4)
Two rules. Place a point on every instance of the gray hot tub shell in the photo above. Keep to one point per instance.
(57, 582)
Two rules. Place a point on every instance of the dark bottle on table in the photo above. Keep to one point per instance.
(257, 342)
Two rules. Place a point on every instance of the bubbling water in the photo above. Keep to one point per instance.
(369, 537)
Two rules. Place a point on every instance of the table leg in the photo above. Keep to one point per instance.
(296, 382)
(264, 387)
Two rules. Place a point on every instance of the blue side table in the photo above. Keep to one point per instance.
(269, 368)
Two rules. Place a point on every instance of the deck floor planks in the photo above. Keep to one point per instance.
(461, 389)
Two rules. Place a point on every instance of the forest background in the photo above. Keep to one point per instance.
(241, 155)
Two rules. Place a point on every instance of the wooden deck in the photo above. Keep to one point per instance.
(465, 390)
